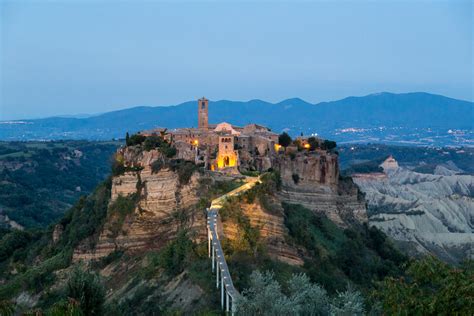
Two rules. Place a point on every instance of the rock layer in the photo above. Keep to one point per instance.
(164, 205)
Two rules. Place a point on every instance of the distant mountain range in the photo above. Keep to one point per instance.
(417, 118)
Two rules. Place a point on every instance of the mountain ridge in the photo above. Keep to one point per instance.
(399, 114)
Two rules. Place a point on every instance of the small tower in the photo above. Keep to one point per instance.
(203, 104)
(226, 156)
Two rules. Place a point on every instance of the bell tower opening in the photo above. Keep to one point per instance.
(203, 105)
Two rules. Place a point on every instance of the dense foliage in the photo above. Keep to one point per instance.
(87, 290)
(39, 181)
(429, 287)
(266, 296)
(33, 253)
(360, 255)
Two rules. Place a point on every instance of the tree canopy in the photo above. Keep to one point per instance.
(284, 139)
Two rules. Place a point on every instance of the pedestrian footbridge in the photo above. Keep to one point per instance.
(229, 295)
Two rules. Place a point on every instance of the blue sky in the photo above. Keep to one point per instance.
(69, 57)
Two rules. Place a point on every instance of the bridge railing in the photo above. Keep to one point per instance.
(229, 295)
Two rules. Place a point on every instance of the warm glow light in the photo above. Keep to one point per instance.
(195, 142)
(277, 147)
(231, 162)
(307, 146)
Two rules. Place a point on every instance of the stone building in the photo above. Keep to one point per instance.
(230, 148)
(221, 146)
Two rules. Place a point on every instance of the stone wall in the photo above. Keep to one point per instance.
(305, 170)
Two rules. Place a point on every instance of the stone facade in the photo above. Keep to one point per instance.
(203, 108)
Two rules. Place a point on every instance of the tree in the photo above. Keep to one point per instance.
(264, 297)
(329, 144)
(87, 290)
(311, 299)
(347, 303)
(284, 139)
(152, 142)
(430, 287)
(136, 139)
(127, 139)
(313, 143)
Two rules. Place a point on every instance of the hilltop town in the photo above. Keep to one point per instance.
(233, 149)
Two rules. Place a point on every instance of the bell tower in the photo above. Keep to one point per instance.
(203, 104)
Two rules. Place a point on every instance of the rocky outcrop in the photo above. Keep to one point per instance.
(162, 206)
(307, 169)
(342, 203)
(57, 232)
(426, 213)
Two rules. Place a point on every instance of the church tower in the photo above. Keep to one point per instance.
(203, 104)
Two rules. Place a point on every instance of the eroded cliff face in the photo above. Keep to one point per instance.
(312, 180)
(272, 231)
(304, 169)
(161, 206)
(425, 213)
(162, 203)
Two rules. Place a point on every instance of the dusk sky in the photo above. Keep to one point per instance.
(70, 57)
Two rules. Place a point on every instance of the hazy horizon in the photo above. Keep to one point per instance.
(66, 58)
(85, 115)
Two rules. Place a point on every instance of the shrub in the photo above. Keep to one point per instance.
(152, 142)
(136, 139)
(118, 168)
(168, 151)
(119, 210)
(63, 308)
(174, 257)
(86, 289)
(156, 166)
(266, 297)
(13, 241)
(184, 168)
(430, 287)
(7, 308)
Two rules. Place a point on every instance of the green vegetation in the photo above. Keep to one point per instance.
(177, 254)
(152, 142)
(118, 211)
(35, 257)
(265, 296)
(184, 168)
(284, 139)
(360, 255)
(135, 139)
(7, 308)
(429, 287)
(86, 289)
(39, 181)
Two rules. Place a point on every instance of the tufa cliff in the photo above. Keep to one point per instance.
(148, 205)
(153, 197)
(313, 180)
